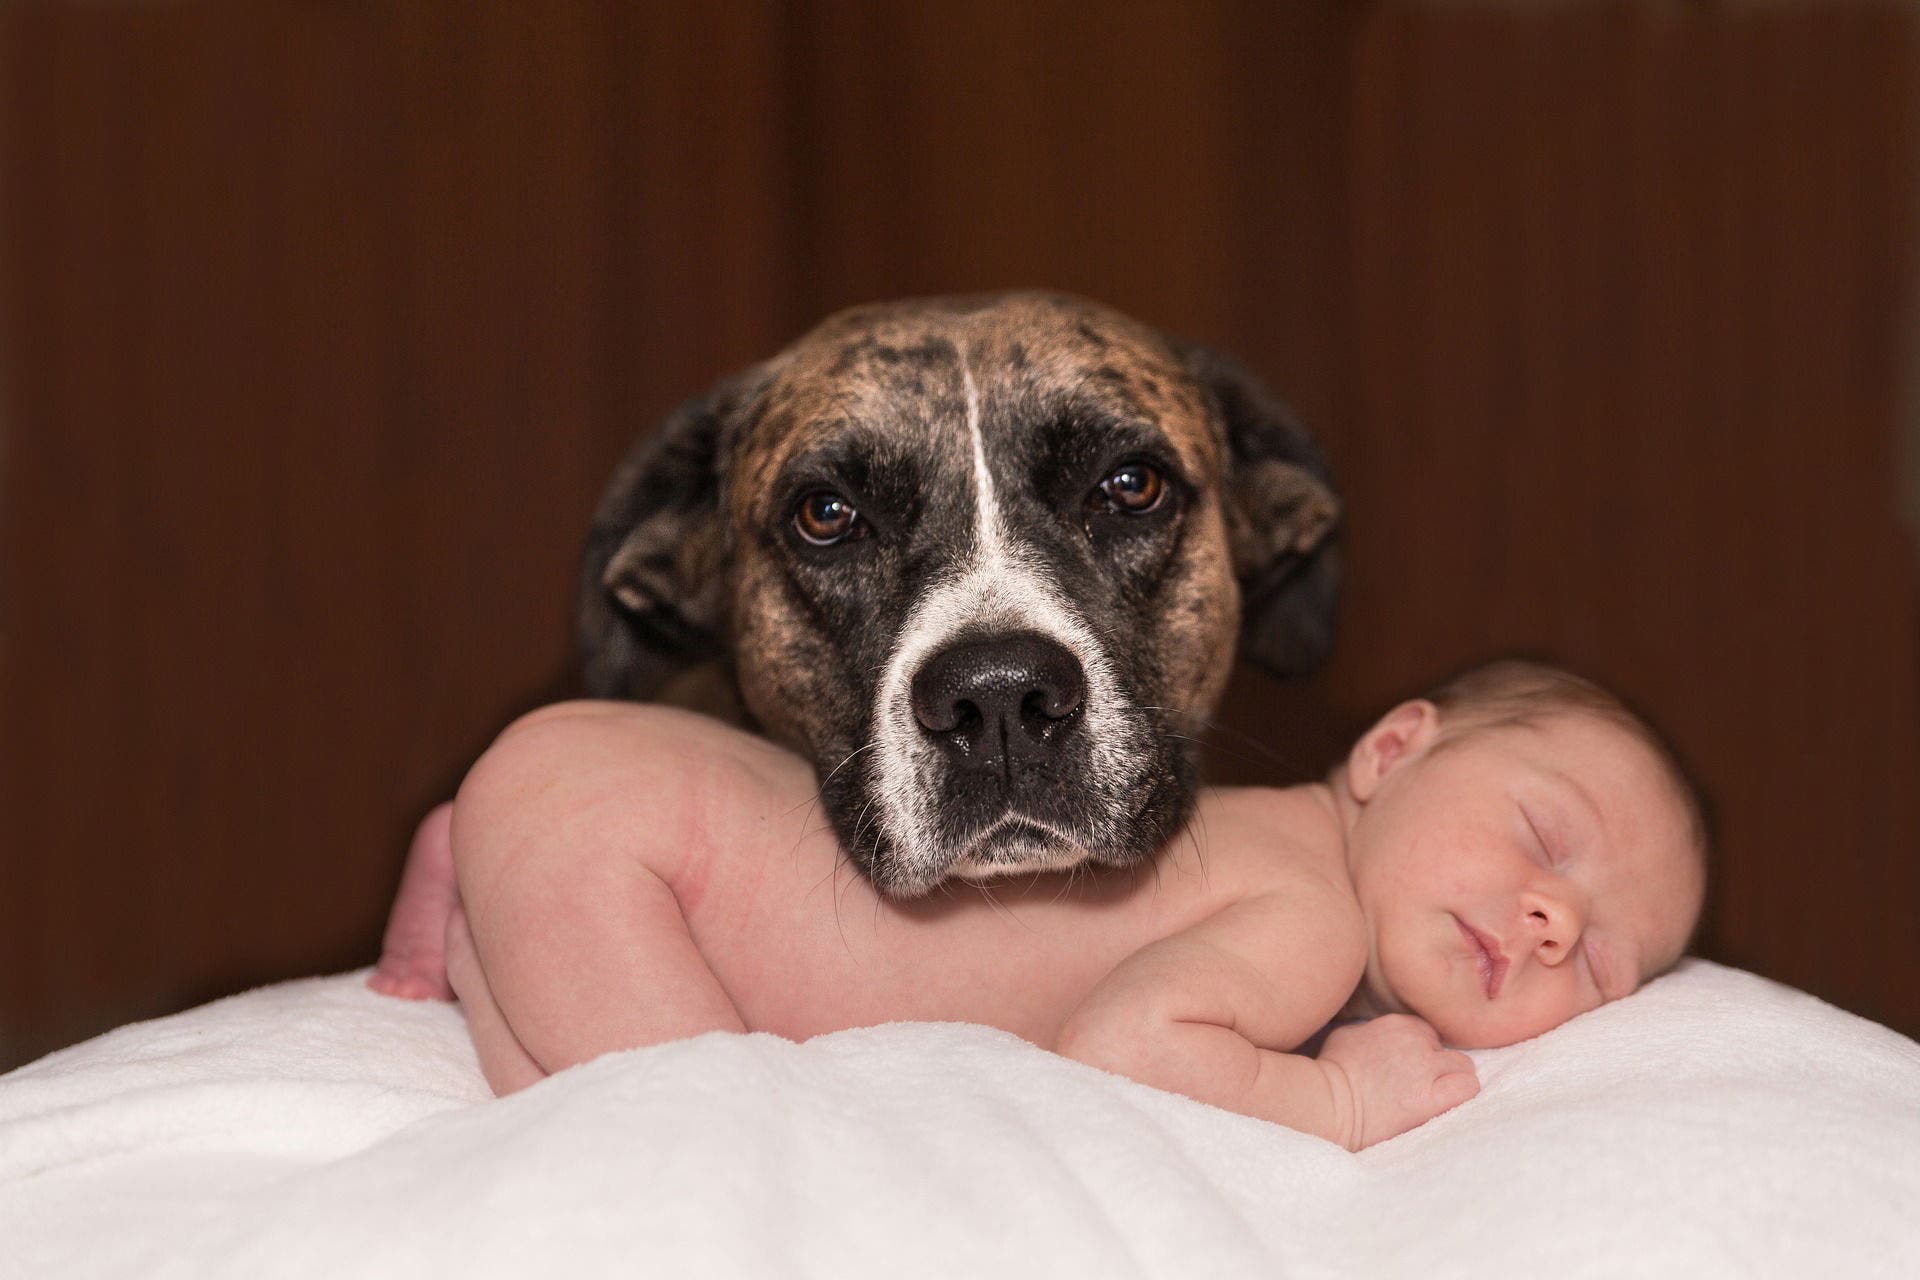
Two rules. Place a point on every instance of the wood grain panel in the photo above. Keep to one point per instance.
(1627, 398)
(323, 325)
(1024, 145)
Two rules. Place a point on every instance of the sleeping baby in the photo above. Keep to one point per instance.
(1487, 862)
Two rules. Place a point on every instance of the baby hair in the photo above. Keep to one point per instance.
(1515, 691)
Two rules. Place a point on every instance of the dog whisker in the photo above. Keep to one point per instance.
(1072, 873)
(974, 572)
(845, 859)
(839, 924)
(1265, 752)
(1199, 839)
(1224, 740)
(819, 791)
(986, 891)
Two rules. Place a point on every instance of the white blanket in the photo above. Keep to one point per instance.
(1714, 1124)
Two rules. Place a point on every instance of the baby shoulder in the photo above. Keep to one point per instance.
(1304, 911)
(1277, 835)
(1292, 956)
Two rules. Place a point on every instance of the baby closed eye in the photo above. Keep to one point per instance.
(1542, 848)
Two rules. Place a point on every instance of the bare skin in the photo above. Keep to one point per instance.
(412, 951)
(630, 875)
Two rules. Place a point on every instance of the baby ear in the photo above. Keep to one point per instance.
(1282, 515)
(1402, 734)
(655, 577)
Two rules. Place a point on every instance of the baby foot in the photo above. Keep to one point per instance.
(413, 957)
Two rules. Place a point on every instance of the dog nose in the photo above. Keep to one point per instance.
(1019, 692)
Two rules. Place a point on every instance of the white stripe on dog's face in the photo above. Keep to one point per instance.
(1002, 587)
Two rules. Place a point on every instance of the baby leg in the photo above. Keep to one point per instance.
(413, 962)
(565, 837)
(503, 1059)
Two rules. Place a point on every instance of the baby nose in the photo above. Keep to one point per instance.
(1553, 925)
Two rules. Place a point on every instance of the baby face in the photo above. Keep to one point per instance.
(1518, 875)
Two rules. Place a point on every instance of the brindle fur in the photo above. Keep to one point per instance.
(693, 557)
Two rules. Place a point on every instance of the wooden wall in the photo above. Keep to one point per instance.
(321, 325)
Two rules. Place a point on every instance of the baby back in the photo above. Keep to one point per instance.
(804, 945)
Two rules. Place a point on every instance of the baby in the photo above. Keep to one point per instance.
(1487, 862)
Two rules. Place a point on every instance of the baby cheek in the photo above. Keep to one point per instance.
(1433, 855)
(1554, 1007)
(1517, 1015)
(1420, 860)
(1492, 1029)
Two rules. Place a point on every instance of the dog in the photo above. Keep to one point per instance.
(983, 560)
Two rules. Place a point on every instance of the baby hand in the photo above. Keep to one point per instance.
(1391, 1074)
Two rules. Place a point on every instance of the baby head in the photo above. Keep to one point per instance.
(1525, 849)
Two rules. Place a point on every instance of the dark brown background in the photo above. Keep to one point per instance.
(324, 322)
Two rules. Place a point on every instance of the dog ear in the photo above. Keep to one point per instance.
(1282, 518)
(655, 577)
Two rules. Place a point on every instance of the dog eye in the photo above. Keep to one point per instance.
(1135, 488)
(826, 517)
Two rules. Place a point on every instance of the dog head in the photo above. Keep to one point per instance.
(983, 560)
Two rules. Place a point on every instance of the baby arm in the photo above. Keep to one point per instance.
(1210, 1012)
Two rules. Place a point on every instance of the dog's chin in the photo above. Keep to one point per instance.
(972, 837)
(1017, 845)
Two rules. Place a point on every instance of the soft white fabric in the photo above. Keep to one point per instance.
(1715, 1124)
